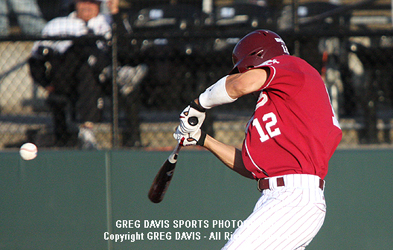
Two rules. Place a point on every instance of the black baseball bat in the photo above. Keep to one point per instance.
(164, 176)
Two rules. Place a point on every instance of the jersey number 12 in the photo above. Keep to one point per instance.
(272, 121)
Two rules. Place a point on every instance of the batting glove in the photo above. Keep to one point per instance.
(190, 139)
(192, 110)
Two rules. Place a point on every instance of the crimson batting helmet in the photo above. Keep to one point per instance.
(256, 48)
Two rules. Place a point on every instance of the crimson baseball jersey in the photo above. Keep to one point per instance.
(293, 129)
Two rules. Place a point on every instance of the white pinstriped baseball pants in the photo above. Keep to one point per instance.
(284, 217)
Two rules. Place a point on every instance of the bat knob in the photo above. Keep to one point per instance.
(193, 121)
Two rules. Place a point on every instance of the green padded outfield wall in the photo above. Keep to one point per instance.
(83, 199)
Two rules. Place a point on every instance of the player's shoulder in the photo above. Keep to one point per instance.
(289, 59)
(282, 61)
(64, 25)
(56, 21)
(287, 73)
(69, 19)
(51, 28)
(293, 64)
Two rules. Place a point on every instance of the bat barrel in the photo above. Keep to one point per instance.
(163, 178)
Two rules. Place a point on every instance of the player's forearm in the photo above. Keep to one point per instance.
(229, 155)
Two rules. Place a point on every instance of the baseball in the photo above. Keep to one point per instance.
(28, 151)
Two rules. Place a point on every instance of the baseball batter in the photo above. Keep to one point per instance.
(289, 140)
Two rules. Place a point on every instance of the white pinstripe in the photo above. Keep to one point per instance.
(284, 217)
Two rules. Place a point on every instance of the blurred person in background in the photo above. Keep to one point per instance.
(77, 73)
(28, 15)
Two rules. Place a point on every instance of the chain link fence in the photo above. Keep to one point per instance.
(168, 56)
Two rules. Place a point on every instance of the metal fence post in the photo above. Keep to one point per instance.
(115, 97)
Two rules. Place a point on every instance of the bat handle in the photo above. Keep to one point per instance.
(173, 156)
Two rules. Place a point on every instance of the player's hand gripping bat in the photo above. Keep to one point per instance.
(165, 173)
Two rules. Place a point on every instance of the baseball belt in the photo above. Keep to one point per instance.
(265, 183)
